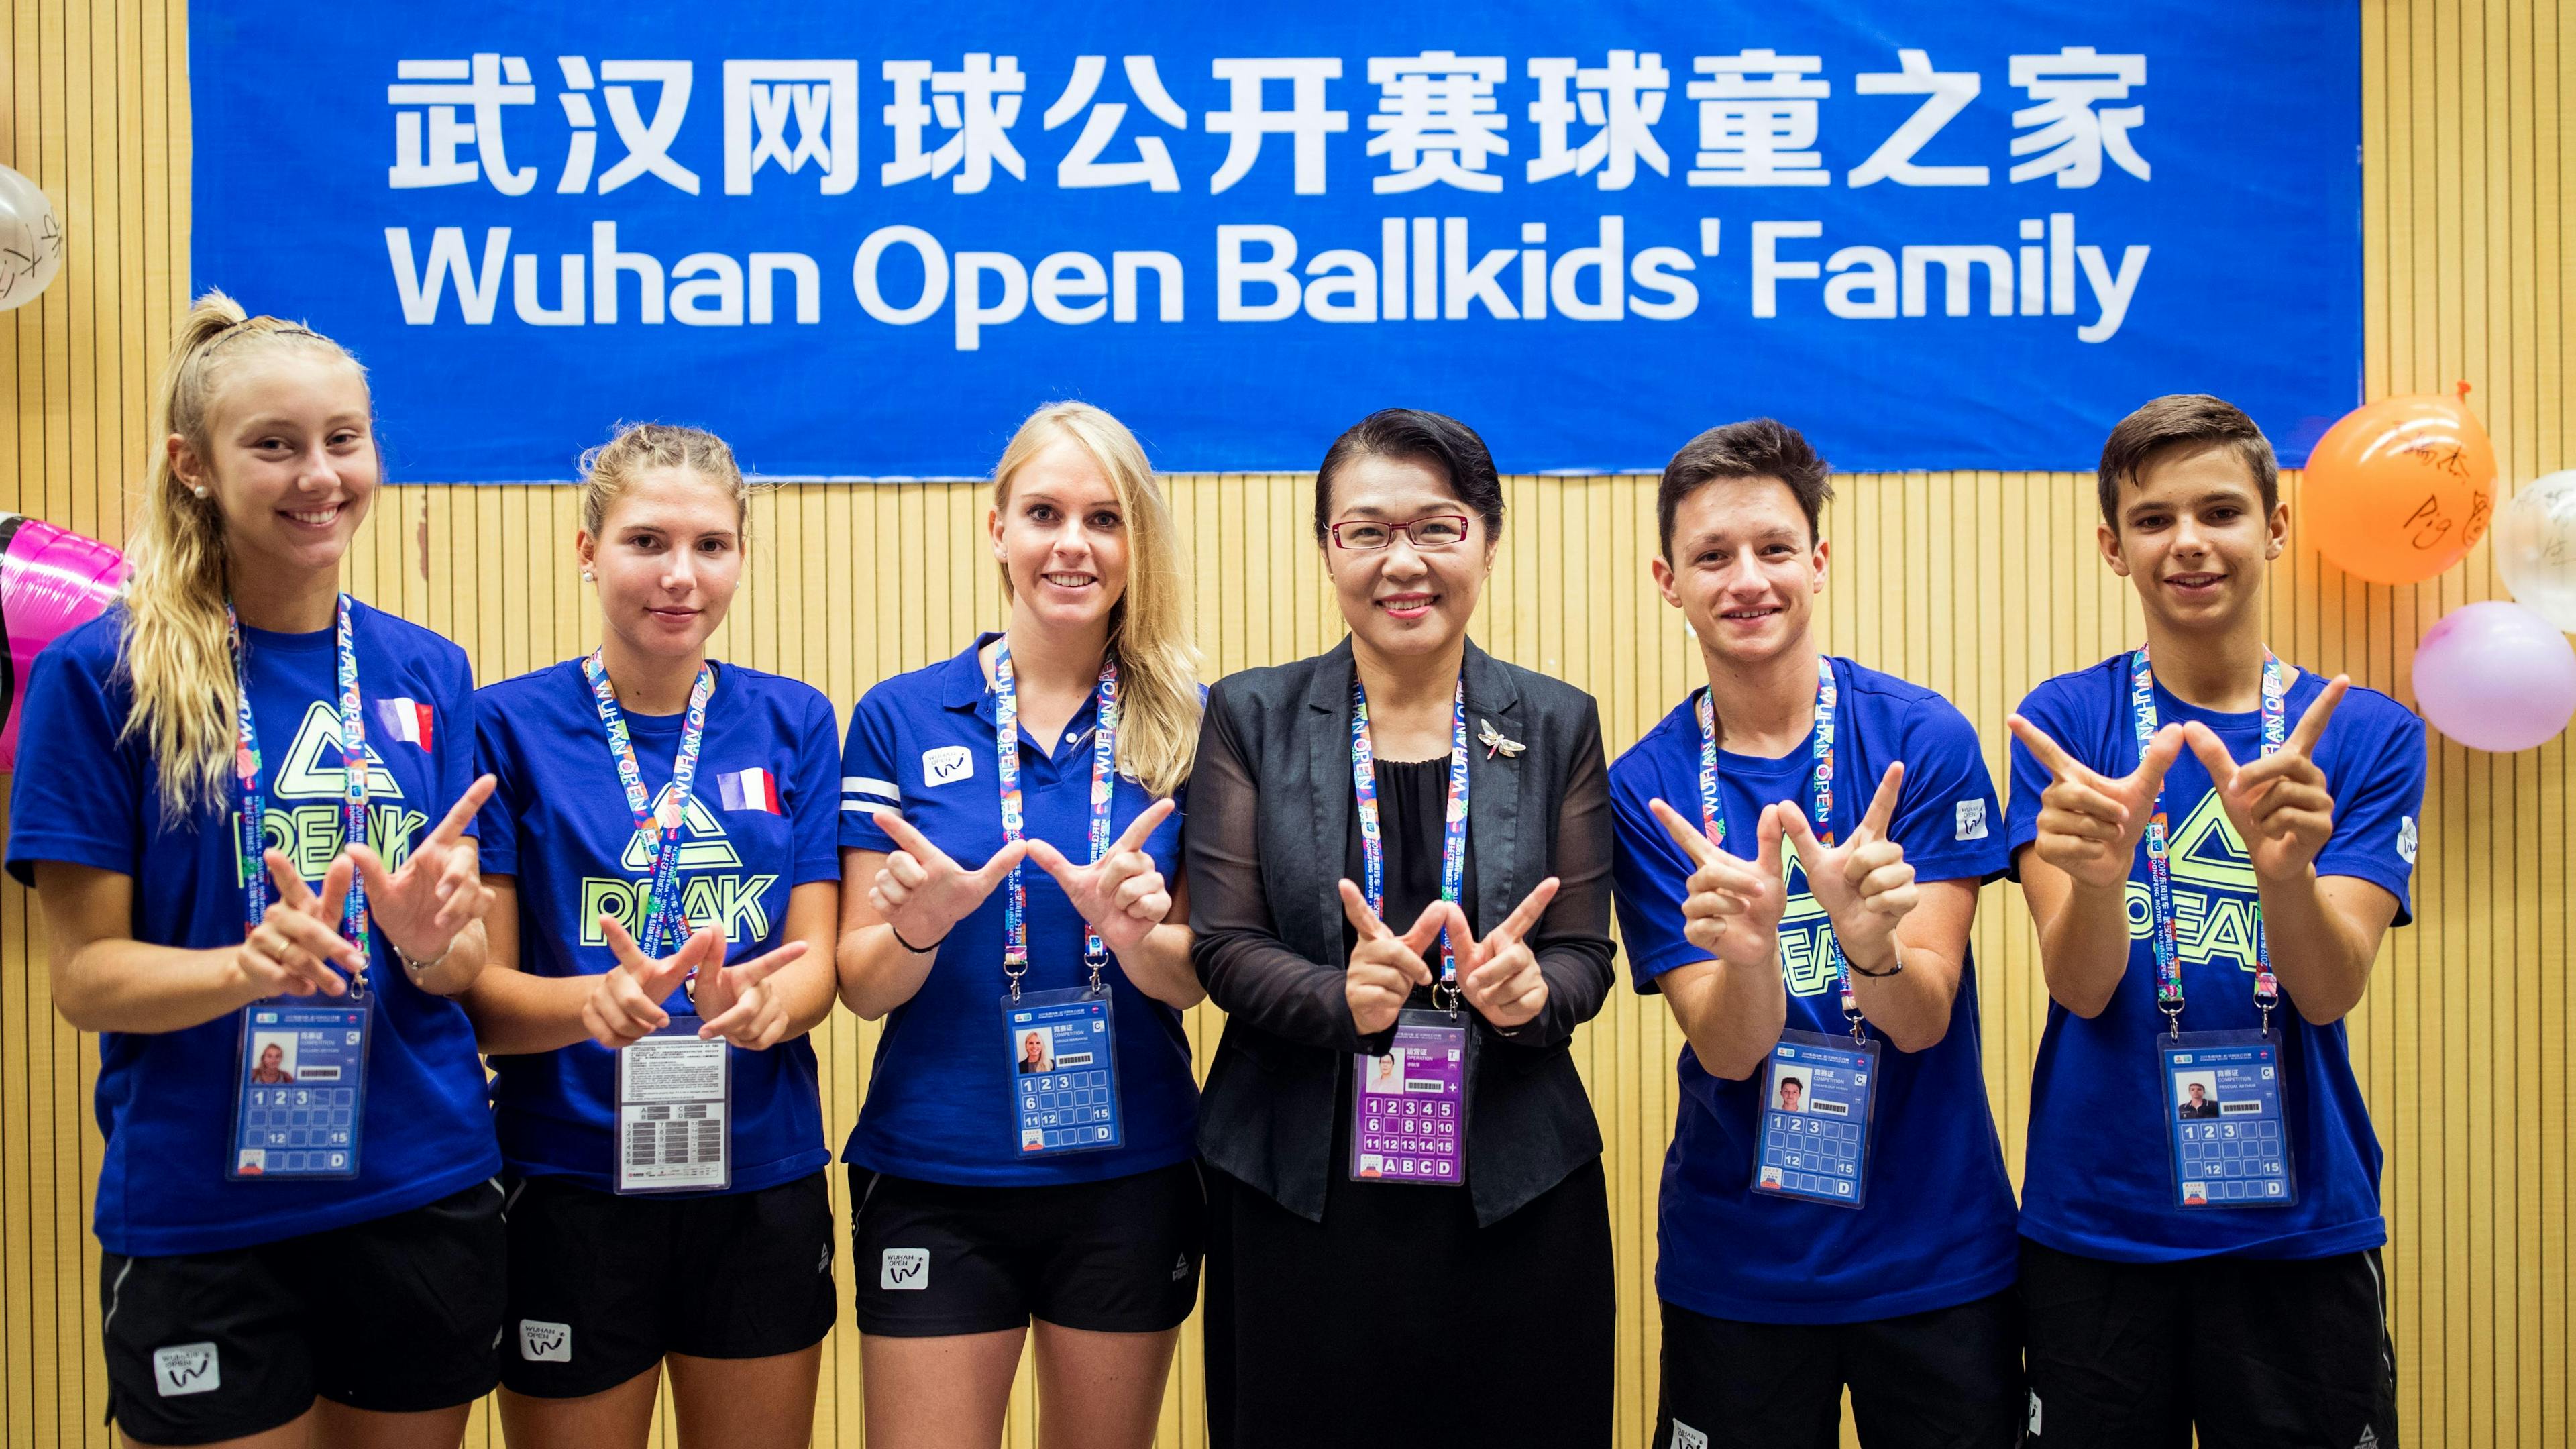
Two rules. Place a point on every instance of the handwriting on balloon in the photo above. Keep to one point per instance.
(2439, 453)
(2428, 525)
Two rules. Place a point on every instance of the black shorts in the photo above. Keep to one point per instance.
(2247, 1351)
(602, 1286)
(1946, 1379)
(1120, 1256)
(399, 1315)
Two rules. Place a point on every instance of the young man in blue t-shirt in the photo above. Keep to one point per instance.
(2206, 924)
(1799, 848)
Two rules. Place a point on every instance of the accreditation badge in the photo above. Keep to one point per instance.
(674, 1099)
(1064, 1071)
(300, 1089)
(2229, 1138)
(1817, 1094)
(1409, 1107)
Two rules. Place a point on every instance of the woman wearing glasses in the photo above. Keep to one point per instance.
(1399, 854)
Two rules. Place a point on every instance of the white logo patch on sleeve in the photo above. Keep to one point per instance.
(904, 1268)
(947, 765)
(2406, 838)
(1972, 820)
(2034, 1413)
(187, 1368)
(545, 1342)
(1686, 1437)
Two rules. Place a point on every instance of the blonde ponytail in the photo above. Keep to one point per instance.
(1149, 632)
(177, 652)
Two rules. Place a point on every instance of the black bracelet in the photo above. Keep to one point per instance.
(1897, 969)
(917, 950)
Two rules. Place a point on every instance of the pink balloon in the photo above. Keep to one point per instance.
(50, 583)
(2496, 676)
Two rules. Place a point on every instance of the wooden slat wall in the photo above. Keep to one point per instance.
(1979, 584)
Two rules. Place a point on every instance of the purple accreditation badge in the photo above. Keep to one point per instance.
(1409, 1107)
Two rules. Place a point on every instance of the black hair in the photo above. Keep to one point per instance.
(1430, 438)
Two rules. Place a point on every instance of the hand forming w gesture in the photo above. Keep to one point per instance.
(2090, 823)
(1862, 881)
(921, 892)
(1499, 975)
(1122, 895)
(2279, 804)
(1734, 905)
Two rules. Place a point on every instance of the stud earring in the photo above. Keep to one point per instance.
(201, 490)
(588, 577)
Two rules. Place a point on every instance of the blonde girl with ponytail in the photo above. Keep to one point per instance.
(663, 860)
(314, 1264)
(1013, 907)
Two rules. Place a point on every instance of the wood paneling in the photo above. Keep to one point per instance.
(1978, 584)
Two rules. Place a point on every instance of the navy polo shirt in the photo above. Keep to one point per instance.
(940, 1103)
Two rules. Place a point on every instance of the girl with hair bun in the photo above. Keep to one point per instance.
(243, 800)
(665, 879)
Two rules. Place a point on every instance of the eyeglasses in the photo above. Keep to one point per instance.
(1446, 530)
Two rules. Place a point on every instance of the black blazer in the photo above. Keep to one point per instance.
(1270, 809)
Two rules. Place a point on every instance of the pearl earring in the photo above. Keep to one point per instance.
(201, 490)
(588, 577)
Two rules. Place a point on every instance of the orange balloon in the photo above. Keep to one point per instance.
(2402, 488)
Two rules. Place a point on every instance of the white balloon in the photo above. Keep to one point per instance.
(31, 240)
(2535, 547)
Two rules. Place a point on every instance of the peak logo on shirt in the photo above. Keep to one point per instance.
(301, 775)
(1806, 934)
(2213, 889)
(713, 889)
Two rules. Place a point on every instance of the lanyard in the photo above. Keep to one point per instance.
(660, 908)
(2166, 936)
(1712, 813)
(251, 844)
(1453, 830)
(1104, 785)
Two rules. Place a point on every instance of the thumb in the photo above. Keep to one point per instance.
(369, 867)
(2212, 752)
(1434, 917)
(1801, 836)
(2162, 750)
(1000, 865)
(1053, 862)
(1766, 837)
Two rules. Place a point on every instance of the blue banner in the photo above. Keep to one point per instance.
(865, 241)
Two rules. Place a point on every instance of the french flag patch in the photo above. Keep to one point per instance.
(750, 790)
(405, 719)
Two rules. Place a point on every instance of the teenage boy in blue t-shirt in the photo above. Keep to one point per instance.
(1834, 1214)
(2184, 897)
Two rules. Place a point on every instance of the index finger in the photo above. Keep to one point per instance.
(2052, 758)
(622, 944)
(1882, 806)
(916, 844)
(1143, 825)
(1355, 907)
(452, 829)
(760, 968)
(2312, 725)
(1526, 914)
(1690, 838)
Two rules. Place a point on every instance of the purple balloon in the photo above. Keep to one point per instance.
(2496, 676)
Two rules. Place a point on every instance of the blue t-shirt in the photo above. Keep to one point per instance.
(941, 1099)
(1937, 1230)
(166, 1099)
(2098, 1182)
(758, 824)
